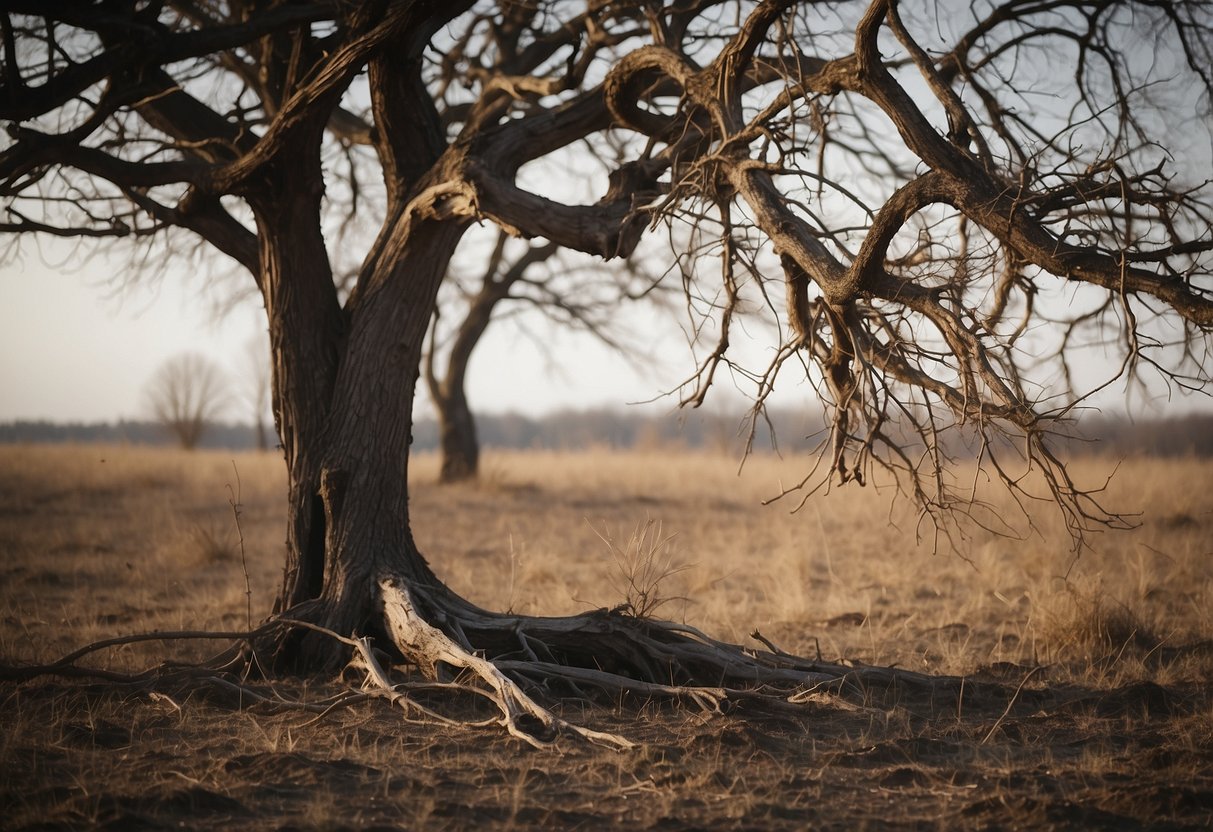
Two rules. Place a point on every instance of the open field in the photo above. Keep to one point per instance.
(1087, 701)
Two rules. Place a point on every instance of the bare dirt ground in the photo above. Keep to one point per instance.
(1079, 694)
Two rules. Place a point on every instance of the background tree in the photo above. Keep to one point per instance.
(186, 395)
(534, 277)
(902, 194)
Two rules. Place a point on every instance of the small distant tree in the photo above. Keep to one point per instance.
(186, 395)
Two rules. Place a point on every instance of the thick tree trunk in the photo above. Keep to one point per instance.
(306, 331)
(344, 376)
(349, 517)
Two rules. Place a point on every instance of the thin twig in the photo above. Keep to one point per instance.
(1010, 705)
(237, 507)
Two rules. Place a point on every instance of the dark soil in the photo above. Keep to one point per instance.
(97, 756)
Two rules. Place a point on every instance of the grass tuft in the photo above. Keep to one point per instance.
(212, 543)
(645, 561)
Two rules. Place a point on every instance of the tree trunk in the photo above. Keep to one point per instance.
(344, 377)
(344, 387)
(364, 475)
(306, 328)
(457, 426)
(460, 445)
(353, 566)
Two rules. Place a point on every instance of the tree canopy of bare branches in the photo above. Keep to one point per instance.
(927, 202)
(186, 394)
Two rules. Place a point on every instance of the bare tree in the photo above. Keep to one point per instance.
(186, 394)
(534, 277)
(917, 202)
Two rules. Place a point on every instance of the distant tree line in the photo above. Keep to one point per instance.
(1095, 434)
(225, 435)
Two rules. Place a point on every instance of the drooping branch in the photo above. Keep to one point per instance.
(892, 326)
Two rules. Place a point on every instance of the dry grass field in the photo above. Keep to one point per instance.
(1086, 701)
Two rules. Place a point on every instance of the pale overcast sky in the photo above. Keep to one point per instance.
(78, 346)
(75, 345)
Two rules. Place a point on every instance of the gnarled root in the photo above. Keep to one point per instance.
(619, 655)
(426, 645)
(505, 658)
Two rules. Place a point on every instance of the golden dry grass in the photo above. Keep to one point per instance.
(100, 541)
(845, 572)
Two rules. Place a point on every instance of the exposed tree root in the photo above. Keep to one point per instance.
(427, 645)
(508, 659)
(618, 655)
